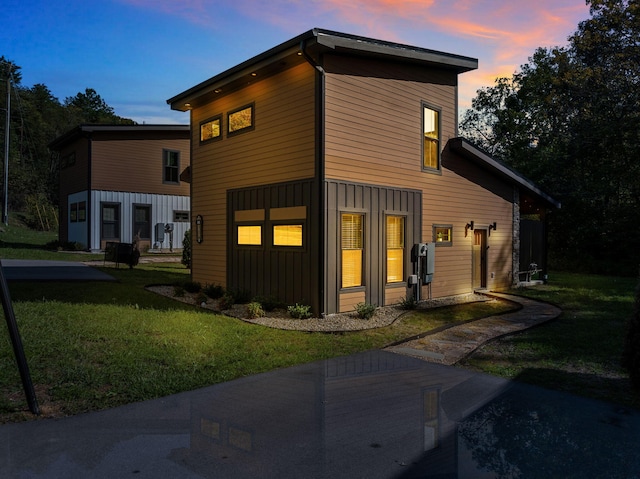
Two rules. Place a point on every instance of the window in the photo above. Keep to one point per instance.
(287, 235)
(250, 235)
(142, 221)
(181, 216)
(110, 220)
(443, 235)
(395, 249)
(240, 120)
(431, 138)
(352, 245)
(68, 160)
(211, 129)
(171, 164)
(73, 214)
(82, 211)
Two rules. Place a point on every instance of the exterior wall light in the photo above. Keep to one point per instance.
(469, 226)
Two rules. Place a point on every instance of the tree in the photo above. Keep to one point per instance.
(570, 120)
(89, 107)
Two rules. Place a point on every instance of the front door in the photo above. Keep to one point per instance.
(479, 259)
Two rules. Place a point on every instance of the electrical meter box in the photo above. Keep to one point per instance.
(425, 255)
(160, 232)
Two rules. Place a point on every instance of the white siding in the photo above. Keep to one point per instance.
(76, 231)
(162, 208)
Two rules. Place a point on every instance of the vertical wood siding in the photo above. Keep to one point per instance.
(374, 135)
(280, 148)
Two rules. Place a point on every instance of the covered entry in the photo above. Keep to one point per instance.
(479, 259)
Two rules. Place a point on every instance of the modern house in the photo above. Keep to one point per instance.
(327, 171)
(119, 181)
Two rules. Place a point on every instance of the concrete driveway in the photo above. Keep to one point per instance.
(41, 270)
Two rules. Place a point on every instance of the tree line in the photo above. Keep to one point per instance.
(37, 117)
(570, 121)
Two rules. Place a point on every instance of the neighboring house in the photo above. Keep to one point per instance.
(119, 181)
(319, 164)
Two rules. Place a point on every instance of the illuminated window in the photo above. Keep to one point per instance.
(287, 235)
(431, 138)
(240, 120)
(211, 129)
(352, 245)
(442, 235)
(250, 235)
(171, 163)
(395, 249)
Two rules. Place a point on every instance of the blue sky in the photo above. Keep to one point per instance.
(138, 53)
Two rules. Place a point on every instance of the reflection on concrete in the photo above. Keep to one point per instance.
(374, 415)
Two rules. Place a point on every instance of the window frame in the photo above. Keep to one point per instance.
(434, 234)
(134, 208)
(73, 213)
(181, 216)
(218, 118)
(293, 222)
(403, 217)
(165, 155)
(438, 141)
(236, 231)
(244, 129)
(363, 249)
(115, 222)
(82, 211)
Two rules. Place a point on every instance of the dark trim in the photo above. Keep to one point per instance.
(133, 220)
(245, 129)
(435, 240)
(118, 220)
(216, 138)
(438, 170)
(164, 167)
(87, 129)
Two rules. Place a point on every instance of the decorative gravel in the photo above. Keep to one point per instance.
(280, 319)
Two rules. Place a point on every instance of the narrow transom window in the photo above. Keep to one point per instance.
(240, 120)
(431, 138)
(395, 249)
(211, 129)
(352, 246)
(171, 166)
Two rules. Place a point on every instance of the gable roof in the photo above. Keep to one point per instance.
(467, 150)
(312, 44)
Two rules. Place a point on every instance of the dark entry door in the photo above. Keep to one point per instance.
(479, 259)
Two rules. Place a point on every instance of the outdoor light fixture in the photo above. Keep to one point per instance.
(199, 228)
(493, 226)
(469, 226)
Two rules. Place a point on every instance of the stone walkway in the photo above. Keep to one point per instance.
(455, 343)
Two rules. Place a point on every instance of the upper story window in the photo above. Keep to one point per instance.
(68, 160)
(431, 138)
(171, 166)
(211, 129)
(240, 120)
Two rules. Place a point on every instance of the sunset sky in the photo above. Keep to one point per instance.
(138, 53)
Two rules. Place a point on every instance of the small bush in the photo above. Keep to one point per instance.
(242, 296)
(186, 249)
(192, 287)
(299, 311)
(269, 303)
(226, 301)
(201, 298)
(214, 291)
(408, 303)
(178, 291)
(255, 310)
(365, 310)
(631, 353)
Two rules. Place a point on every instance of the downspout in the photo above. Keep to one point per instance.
(320, 170)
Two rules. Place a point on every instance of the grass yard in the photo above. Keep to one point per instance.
(580, 351)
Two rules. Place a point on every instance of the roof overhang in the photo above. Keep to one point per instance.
(83, 130)
(467, 150)
(312, 44)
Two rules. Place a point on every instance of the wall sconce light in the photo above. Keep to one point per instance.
(469, 226)
(199, 228)
(493, 226)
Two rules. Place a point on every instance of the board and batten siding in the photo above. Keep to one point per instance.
(373, 134)
(162, 208)
(136, 165)
(280, 148)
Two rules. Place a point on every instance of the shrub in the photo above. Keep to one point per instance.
(242, 296)
(201, 298)
(214, 291)
(192, 287)
(226, 301)
(186, 249)
(178, 291)
(255, 310)
(299, 311)
(631, 352)
(365, 310)
(269, 303)
(408, 303)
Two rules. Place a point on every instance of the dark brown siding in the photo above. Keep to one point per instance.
(73, 179)
(375, 202)
(286, 273)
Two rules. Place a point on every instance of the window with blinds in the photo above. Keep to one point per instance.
(431, 138)
(395, 249)
(352, 246)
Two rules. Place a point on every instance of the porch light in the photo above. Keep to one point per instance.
(493, 226)
(469, 226)
(199, 229)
